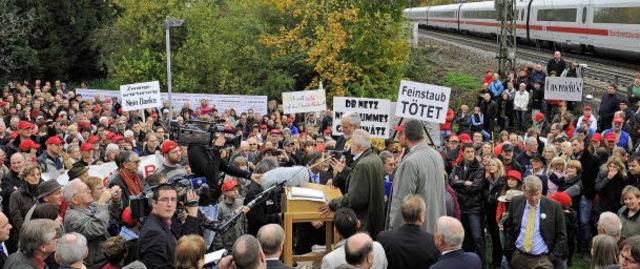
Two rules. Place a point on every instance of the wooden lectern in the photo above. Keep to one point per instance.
(307, 211)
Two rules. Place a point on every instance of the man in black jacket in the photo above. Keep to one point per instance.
(489, 109)
(467, 180)
(157, 243)
(609, 104)
(409, 246)
(268, 209)
(556, 64)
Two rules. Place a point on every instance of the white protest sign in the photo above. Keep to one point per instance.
(374, 115)
(222, 102)
(423, 101)
(92, 93)
(433, 129)
(304, 101)
(563, 88)
(148, 165)
(140, 95)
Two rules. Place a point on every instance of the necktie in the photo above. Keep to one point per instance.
(347, 144)
(315, 179)
(528, 233)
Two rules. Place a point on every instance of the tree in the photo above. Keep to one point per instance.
(16, 57)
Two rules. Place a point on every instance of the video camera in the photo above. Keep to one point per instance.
(141, 203)
(203, 133)
(336, 154)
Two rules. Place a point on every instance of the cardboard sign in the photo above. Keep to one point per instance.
(563, 88)
(140, 95)
(304, 101)
(423, 101)
(148, 165)
(374, 115)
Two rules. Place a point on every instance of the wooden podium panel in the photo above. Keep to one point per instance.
(307, 211)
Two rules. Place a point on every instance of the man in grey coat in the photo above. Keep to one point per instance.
(421, 172)
(90, 220)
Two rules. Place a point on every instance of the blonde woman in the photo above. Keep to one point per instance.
(496, 182)
(190, 252)
(548, 153)
(556, 175)
(609, 185)
(628, 214)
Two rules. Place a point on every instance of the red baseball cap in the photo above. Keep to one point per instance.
(618, 119)
(276, 131)
(465, 139)
(319, 148)
(4, 103)
(23, 125)
(399, 128)
(596, 137)
(610, 137)
(93, 139)
(538, 116)
(514, 174)
(110, 135)
(96, 110)
(229, 184)
(54, 140)
(168, 146)
(117, 138)
(586, 108)
(107, 100)
(289, 120)
(28, 144)
(263, 126)
(562, 198)
(86, 147)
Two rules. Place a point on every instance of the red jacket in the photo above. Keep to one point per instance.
(446, 126)
(570, 130)
(488, 79)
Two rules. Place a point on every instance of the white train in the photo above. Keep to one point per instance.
(595, 26)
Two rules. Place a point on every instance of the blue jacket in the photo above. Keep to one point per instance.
(623, 140)
(496, 88)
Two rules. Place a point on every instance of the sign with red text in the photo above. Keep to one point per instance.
(423, 101)
(304, 101)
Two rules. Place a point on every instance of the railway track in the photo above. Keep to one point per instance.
(598, 73)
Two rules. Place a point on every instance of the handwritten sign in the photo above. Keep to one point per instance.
(140, 95)
(374, 114)
(563, 88)
(304, 101)
(423, 101)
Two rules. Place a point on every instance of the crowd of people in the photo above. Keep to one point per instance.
(564, 187)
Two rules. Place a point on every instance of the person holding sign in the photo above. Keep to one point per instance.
(420, 172)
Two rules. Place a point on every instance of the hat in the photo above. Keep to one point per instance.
(28, 144)
(96, 110)
(55, 140)
(275, 131)
(48, 187)
(107, 100)
(117, 138)
(168, 146)
(618, 119)
(166, 110)
(255, 125)
(289, 120)
(514, 174)
(288, 142)
(327, 131)
(40, 117)
(76, 171)
(4, 103)
(154, 115)
(465, 139)
(624, 101)
(229, 184)
(319, 148)
(610, 137)
(93, 139)
(86, 147)
(127, 218)
(264, 126)
(538, 116)
(110, 135)
(13, 135)
(489, 70)
(562, 198)
(537, 158)
(596, 137)
(399, 128)
(507, 147)
(586, 108)
(24, 125)
(509, 195)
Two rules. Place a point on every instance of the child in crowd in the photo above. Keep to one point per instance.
(231, 202)
(570, 221)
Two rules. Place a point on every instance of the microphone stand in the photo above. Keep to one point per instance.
(261, 197)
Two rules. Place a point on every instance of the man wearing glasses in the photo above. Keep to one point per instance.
(629, 257)
(157, 243)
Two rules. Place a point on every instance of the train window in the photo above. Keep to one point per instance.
(622, 15)
(563, 15)
(446, 14)
(584, 15)
(522, 14)
(483, 14)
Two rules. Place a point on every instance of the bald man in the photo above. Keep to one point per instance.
(359, 251)
(271, 238)
(449, 235)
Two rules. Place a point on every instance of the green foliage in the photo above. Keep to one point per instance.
(461, 81)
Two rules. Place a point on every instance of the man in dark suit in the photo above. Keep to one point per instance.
(535, 229)
(449, 235)
(271, 238)
(409, 246)
(5, 227)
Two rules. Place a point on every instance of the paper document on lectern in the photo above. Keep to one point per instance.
(307, 194)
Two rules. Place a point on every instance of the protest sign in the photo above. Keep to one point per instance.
(222, 102)
(374, 114)
(304, 101)
(140, 95)
(563, 88)
(92, 93)
(148, 165)
(423, 101)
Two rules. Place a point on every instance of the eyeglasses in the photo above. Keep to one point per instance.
(136, 162)
(168, 200)
(253, 144)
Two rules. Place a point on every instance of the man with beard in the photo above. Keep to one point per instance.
(172, 156)
(623, 138)
(349, 122)
(506, 156)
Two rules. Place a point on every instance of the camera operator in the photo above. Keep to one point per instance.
(172, 156)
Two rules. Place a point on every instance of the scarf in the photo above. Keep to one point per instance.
(133, 182)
